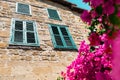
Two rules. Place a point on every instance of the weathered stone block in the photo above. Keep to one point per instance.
(15, 57)
(28, 58)
(37, 64)
(5, 71)
(42, 70)
(3, 45)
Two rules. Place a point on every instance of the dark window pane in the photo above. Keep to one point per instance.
(64, 32)
(30, 37)
(68, 41)
(23, 8)
(53, 14)
(18, 25)
(55, 30)
(58, 40)
(18, 36)
(29, 26)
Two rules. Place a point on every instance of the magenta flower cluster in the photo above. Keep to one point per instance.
(91, 65)
(98, 60)
(101, 8)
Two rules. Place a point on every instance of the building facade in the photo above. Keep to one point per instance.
(38, 39)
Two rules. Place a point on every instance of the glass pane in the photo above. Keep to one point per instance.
(64, 32)
(18, 36)
(18, 25)
(30, 37)
(55, 30)
(29, 26)
(68, 41)
(53, 14)
(58, 40)
(23, 8)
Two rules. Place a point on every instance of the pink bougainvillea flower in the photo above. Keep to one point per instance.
(117, 1)
(118, 12)
(108, 8)
(96, 3)
(100, 19)
(94, 14)
(94, 39)
(86, 17)
(86, 1)
(84, 47)
(104, 37)
(102, 76)
(116, 58)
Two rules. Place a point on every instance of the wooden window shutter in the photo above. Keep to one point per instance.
(61, 37)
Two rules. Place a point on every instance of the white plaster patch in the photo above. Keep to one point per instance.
(1, 8)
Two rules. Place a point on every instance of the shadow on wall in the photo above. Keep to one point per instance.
(64, 5)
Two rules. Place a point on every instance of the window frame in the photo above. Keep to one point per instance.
(57, 13)
(64, 47)
(30, 11)
(24, 43)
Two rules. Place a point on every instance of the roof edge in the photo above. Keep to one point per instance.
(70, 5)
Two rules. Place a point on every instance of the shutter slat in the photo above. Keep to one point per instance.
(66, 36)
(57, 36)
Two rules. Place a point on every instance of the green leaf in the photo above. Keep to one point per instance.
(92, 48)
(102, 31)
(114, 19)
(60, 78)
(91, 28)
(99, 9)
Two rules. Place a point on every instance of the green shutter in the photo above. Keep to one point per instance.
(53, 14)
(61, 37)
(68, 38)
(55, 35)
(23, 8)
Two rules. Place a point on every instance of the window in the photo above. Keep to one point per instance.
(23, 8)
(53, 14)
(61, 37)
(24, 33)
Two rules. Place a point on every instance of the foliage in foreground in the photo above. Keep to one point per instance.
(98, 60)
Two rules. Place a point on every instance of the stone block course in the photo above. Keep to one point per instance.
(44, 63)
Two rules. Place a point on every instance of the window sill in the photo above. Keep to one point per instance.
(24, 13)
(24, 47)
(65, 49)
(55, 19)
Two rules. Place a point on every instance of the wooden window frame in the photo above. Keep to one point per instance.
(24, 43)
(59, 18)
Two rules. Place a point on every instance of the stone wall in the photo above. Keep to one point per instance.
(38, 64)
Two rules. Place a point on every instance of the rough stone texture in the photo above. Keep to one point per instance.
(36, 64)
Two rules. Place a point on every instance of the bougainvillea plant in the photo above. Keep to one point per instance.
(98, 60)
